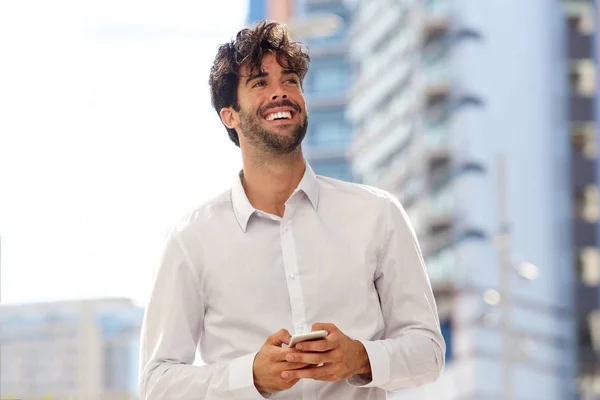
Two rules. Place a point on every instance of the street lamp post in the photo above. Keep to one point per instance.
(524, 269)
(503, 244)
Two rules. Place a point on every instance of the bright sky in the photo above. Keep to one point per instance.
(107, 136)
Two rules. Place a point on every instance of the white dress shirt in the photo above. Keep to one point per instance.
(231, 275)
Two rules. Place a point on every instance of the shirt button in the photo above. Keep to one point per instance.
(300, 327)
(286, 227)
(292, 276)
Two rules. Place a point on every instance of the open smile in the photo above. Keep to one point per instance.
(279, 116)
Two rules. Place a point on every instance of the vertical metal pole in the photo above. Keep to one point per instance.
(504, 264)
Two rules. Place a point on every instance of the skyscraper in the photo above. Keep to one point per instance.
(581, 31)
(460, 110)
(72, 349)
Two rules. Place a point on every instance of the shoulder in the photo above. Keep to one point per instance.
(360, 194)
(366, 202)
(206, 213)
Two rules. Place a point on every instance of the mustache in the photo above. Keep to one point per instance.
(282, 103)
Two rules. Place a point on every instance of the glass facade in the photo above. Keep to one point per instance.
(326, 87)
(328, 129)
(327, 77)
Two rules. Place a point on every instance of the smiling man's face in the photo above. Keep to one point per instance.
(272, 112)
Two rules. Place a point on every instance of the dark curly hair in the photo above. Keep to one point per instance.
(249, 47)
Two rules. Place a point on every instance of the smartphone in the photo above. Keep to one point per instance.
(303, 337)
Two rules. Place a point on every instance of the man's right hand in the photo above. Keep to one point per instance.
(270, 362)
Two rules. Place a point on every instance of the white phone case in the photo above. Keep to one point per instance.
(303, 337)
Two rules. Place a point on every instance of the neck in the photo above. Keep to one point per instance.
(270, 183)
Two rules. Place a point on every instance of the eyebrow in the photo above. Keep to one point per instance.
(264, 75)
(252, 77)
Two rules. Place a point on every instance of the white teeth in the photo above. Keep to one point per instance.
(282, 114)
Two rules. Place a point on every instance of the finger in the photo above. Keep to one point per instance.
(289, 366)
(280, 337)
(318, 345)
(324, 326)
(310, 358)
(327, 378)
(279, 353)
(308, 373)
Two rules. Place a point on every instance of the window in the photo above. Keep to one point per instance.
(327, 76)
(328, 129)
(582, 78)
(333, 169)
(437, 136)
(581, 16)
(446, 328)
(586, 204)
(440, 265)
(589, 266)
(436, 50)
(438, 112)
(437, 73)
(583, 138)
(441, 202)
(440, 176)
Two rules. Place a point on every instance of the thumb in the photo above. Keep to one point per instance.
(280, 337)
(322, 326)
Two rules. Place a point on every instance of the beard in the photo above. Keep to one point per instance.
(269, 140)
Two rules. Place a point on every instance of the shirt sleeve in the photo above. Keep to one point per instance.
(171, 330)
(412, 351)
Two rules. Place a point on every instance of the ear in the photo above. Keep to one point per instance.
(229, 117)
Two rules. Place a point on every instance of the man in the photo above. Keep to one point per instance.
(285, 251)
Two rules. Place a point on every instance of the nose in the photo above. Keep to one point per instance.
(278, 92)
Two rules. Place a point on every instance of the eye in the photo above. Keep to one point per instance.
(293, 81)
(259, 83)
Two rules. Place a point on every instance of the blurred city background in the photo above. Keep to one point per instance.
(479, 115)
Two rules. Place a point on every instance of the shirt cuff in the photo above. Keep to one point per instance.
(380, 366)
(241, 379)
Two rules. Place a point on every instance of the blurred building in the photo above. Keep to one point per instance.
(485, 130)
(329, 135)
(459, 108)
(581, 19)
(76, 349)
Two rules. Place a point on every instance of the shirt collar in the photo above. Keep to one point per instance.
(243, 209)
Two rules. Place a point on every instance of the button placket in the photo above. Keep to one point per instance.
(290, 264)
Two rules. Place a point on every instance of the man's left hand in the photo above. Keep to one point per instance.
(340, 356)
